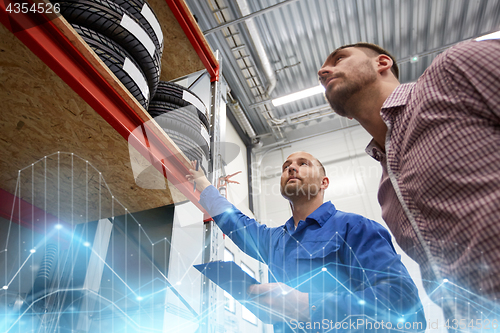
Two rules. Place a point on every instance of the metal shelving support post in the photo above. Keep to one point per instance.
(212, 318)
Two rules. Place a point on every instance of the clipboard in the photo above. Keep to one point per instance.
(229, 276)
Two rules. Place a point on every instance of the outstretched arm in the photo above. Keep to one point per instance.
(199, 177)
(250, 236)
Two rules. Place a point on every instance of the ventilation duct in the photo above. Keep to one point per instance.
(236, 109)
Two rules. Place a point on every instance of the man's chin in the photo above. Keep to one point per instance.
(293, 191)
(290, 190)
(337, 106)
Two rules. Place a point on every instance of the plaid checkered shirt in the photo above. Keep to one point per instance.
(440, 188)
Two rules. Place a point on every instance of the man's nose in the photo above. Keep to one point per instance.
(292, 168)
(323, 71)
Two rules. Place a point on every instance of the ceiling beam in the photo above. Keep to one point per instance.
(249, 16)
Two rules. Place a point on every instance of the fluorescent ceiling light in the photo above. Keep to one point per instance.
(298, 95)
(493, 35)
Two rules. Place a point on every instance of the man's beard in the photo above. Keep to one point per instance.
(343, 91)
(290, 191)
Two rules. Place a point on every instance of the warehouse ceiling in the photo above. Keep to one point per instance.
(271, 48)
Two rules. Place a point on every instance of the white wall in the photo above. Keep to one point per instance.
(354, 179)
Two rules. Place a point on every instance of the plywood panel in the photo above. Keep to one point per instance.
(179, 57)
(41, 115)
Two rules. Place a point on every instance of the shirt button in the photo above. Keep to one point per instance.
(313, 307)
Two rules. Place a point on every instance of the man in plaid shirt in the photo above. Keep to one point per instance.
(438, 142)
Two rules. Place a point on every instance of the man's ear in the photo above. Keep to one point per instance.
(324, 183)
(384, 63)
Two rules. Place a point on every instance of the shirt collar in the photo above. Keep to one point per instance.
(320, 215)
(399, 97)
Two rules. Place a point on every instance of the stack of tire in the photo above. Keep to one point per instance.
(185, 118)
(126, 35)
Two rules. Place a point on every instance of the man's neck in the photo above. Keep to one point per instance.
(367, 110)
(303, 207)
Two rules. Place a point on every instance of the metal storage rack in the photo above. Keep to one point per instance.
(47, 47)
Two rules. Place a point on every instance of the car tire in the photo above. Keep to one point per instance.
(119, 62)
(111, 20)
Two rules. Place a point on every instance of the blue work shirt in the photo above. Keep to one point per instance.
(345, 262)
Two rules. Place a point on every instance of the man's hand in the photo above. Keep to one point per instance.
(279, 302)
(198, 176)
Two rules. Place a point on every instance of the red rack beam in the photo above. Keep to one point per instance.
(48, 43)
(17, 210)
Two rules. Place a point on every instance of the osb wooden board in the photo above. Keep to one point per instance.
(179, 57)
(41, 115)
